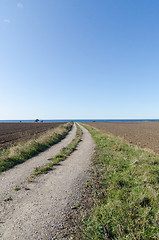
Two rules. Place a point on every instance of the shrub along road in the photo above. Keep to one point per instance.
(37, 209)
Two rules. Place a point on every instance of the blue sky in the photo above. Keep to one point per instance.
(62, 59)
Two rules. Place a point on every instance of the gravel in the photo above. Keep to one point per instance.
(18, 175)
(38, 209)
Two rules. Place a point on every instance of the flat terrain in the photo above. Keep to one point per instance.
(38, 210)
(11, 133)
(143, 134)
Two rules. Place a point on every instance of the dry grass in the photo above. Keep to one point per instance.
(24, 151)
(65, 152)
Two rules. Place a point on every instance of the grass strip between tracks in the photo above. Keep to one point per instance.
(22, 152)
(62, 156)
(126, 191)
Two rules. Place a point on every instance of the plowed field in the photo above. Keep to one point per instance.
(11, 133)
(143, 134)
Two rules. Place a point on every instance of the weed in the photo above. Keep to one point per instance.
(17, 188)
(62, 156)
(127, 194)
(88, 185)
(8, 199)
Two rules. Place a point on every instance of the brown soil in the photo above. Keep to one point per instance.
(143, 134)
(11, 133)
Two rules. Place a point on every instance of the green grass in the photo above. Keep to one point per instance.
(62, 156)
(126, 191)
(8, 199)
(20, 153)
(17, 188)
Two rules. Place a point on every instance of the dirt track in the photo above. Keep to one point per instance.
(143, 134)
(38, 209)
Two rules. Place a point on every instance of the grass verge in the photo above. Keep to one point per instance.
(126, 191)
(22, 152)
(62, 156)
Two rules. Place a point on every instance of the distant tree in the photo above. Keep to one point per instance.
(41, 121)
(36, 120)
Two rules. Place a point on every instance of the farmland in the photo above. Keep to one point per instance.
(143, 134)
(11, 133)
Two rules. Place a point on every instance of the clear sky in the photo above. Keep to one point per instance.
(62, 59)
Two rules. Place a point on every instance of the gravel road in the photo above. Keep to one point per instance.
(18, 175)
(38, 209)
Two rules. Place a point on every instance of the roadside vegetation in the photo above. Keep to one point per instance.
(62, 156)
(125, 189)
(20, 153)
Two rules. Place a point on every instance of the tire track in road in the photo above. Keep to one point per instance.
(18, 175)
(39, 212)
